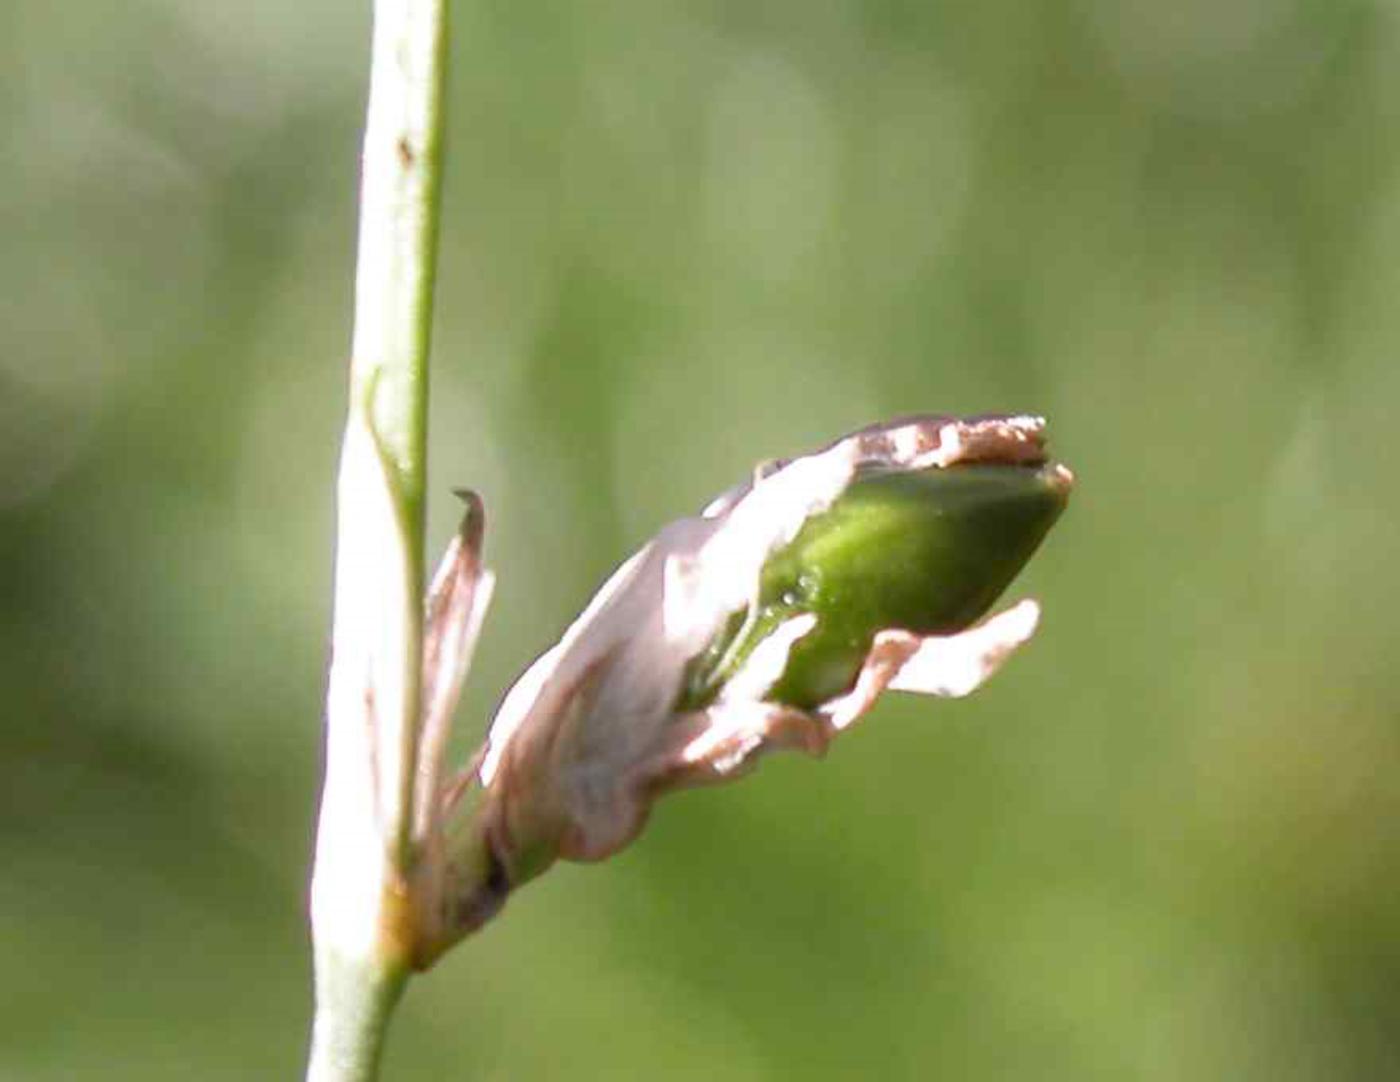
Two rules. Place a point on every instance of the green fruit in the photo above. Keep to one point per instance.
(927, 551)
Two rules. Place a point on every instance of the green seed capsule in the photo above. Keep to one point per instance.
(927, 551)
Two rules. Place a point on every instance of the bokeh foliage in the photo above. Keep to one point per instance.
(681, 237)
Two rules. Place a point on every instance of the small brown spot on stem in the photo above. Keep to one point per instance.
(406, 156)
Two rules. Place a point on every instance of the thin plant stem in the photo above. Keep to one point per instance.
(354, 1003)
(362, 914)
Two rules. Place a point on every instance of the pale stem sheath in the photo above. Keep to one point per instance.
(361, 912)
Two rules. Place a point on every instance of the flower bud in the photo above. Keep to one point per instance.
(776, 618)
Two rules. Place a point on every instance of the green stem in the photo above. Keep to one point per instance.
(355, 1002)
(362, 913)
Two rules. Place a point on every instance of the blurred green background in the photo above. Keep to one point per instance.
(679, 237)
